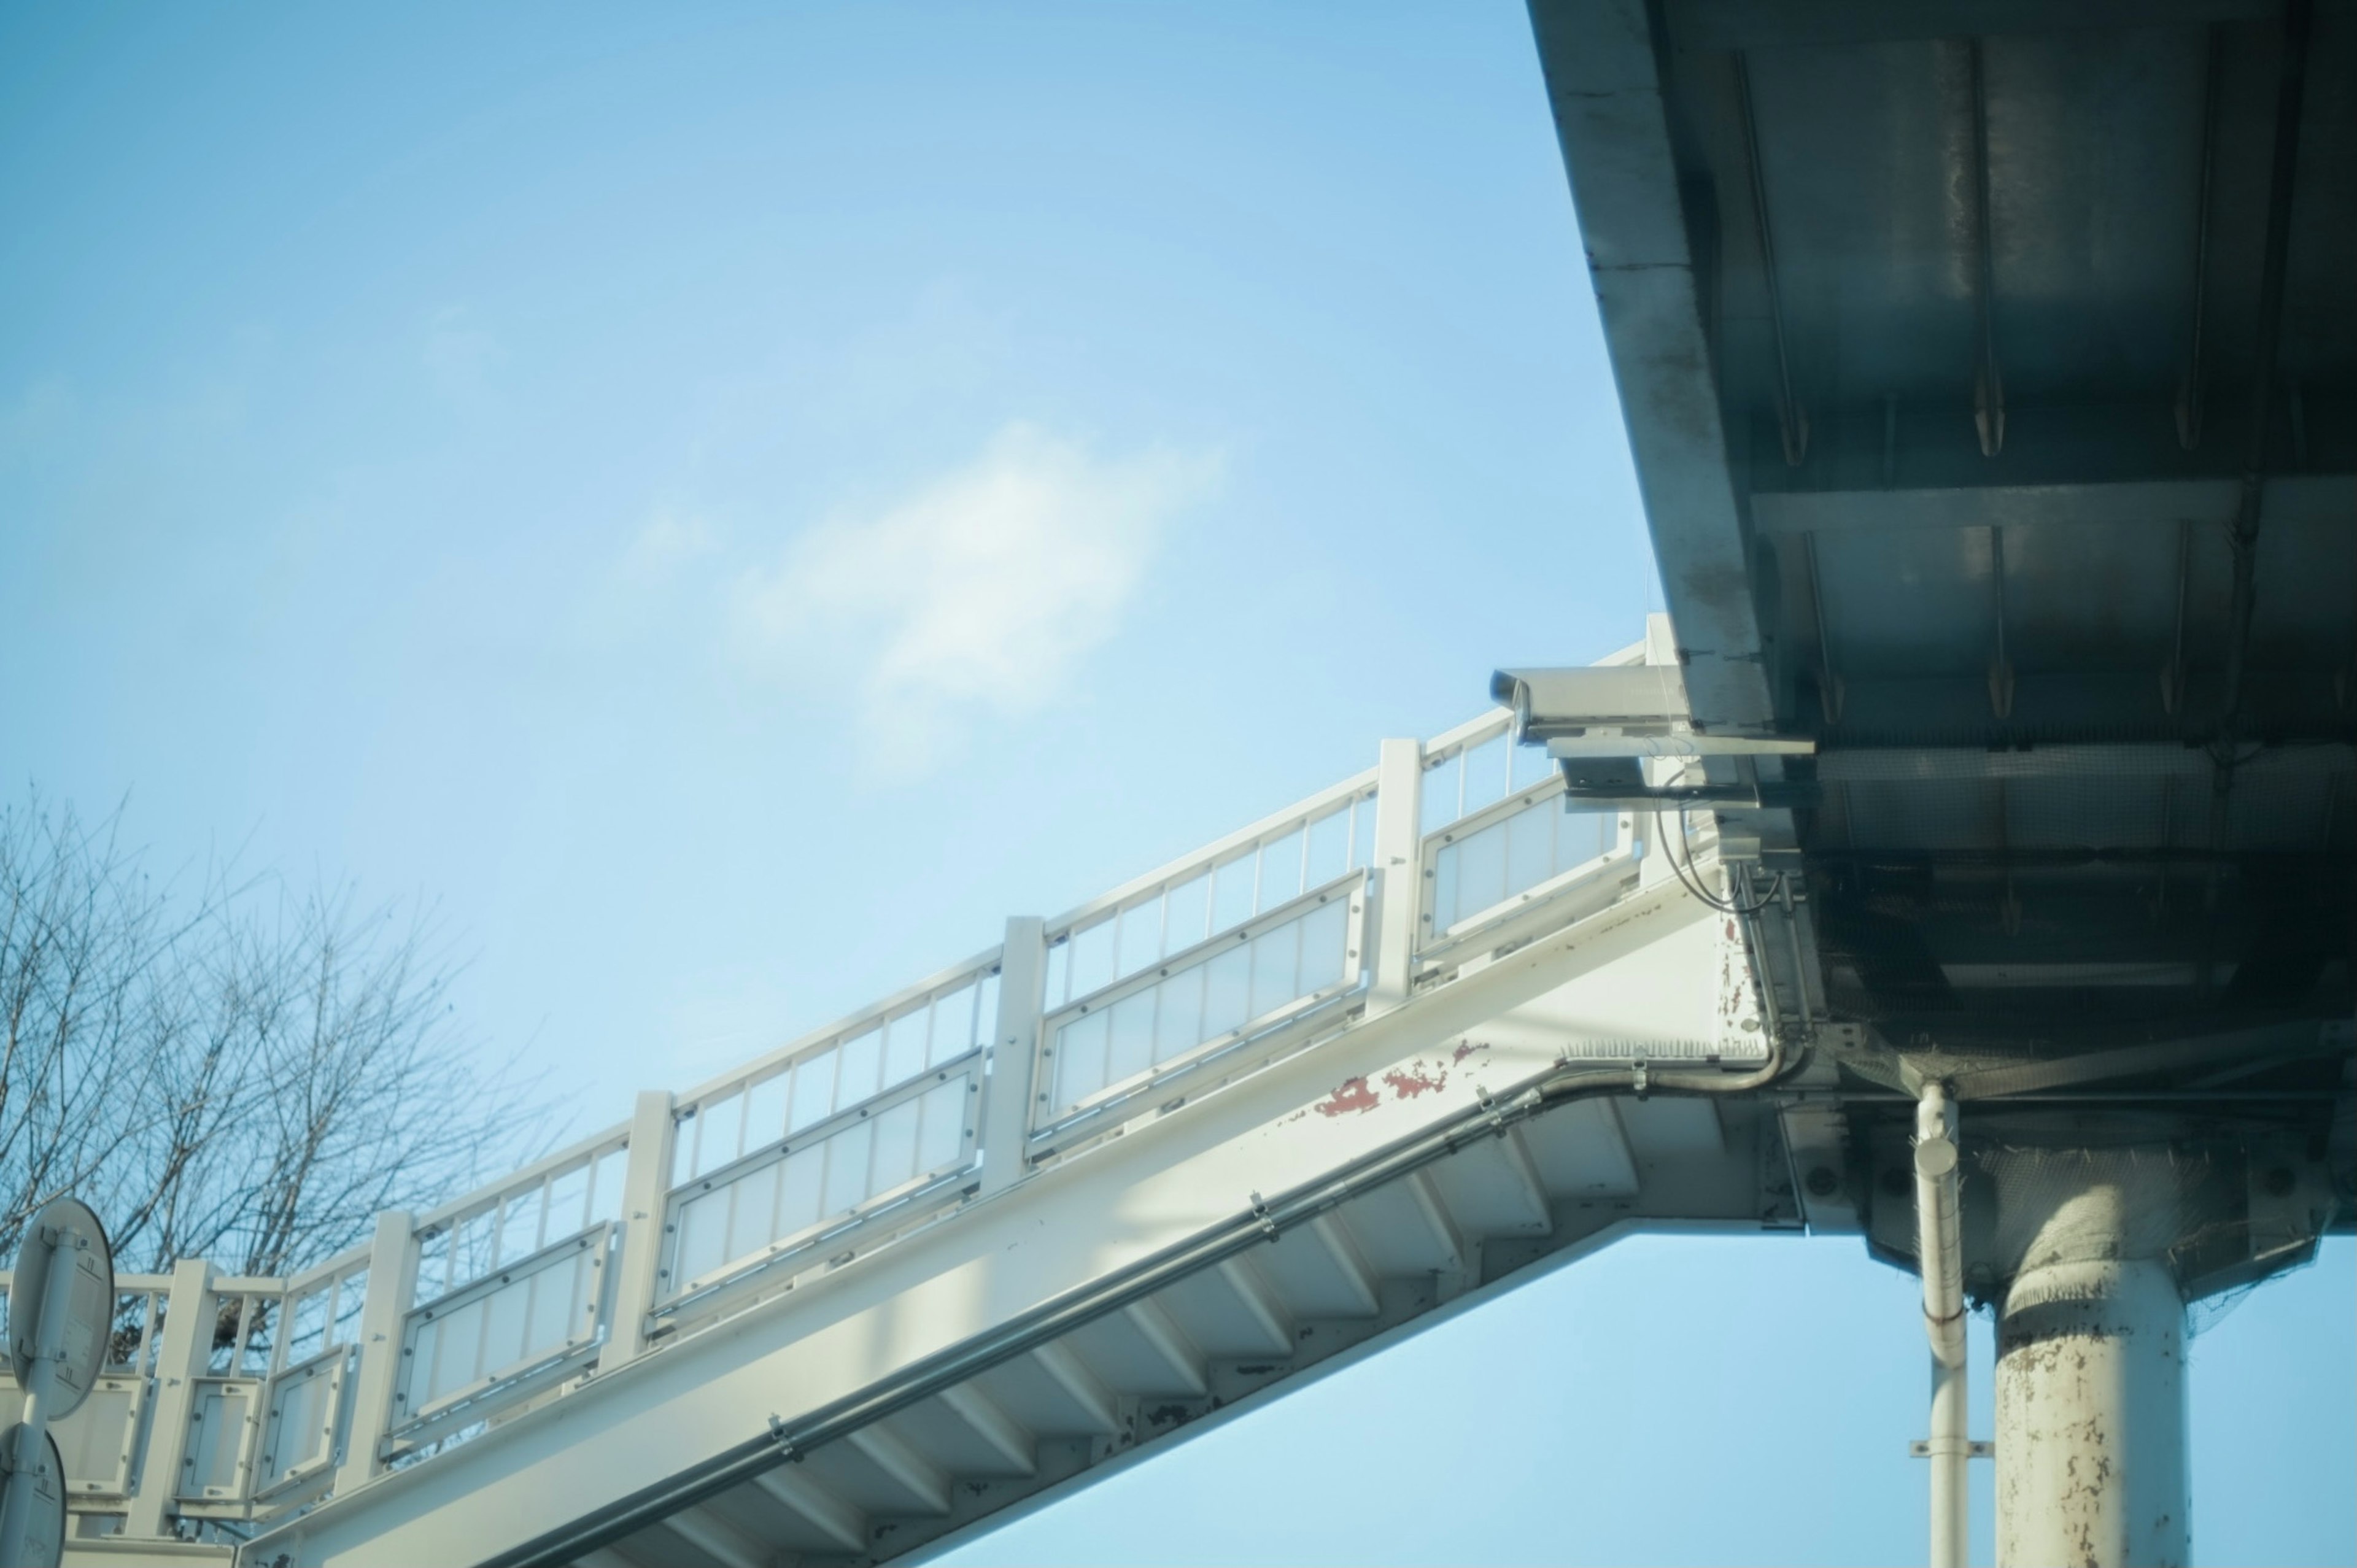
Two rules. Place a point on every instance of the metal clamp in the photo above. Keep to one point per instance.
(1261, 1213)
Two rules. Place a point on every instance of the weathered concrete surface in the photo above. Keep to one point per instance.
(2090, 1467)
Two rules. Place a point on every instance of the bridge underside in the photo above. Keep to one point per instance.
(1991, 371)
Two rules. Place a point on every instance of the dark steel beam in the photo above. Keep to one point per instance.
(2000, 661)
(2141, 503)
(1791, 419)
(2110, 438)
(2244, 537)
(2172, 677)
(1784, 24)
(2188, 389)
(1989, 379)
(1829, 684)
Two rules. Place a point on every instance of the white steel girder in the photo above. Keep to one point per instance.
(543, 1485)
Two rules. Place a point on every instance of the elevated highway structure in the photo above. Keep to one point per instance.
(1991, 375)
(1962, 863)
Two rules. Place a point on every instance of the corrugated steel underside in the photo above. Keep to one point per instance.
(1953, 330)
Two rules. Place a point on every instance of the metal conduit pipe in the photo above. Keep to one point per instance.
(1256, 1226)
(1939, 1253)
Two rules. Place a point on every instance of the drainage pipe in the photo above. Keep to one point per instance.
(1939, 1252)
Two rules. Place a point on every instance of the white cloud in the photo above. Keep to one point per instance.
(982, 591)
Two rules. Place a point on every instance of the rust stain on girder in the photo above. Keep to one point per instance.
(1415, 1079)
(1354, 1096)
(1357, 1096)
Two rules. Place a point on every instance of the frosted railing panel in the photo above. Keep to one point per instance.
(795, 1090)
(298, 1429)
(1220, 992)
(216, 1463)
(762, 1205)
(492, 1227)
(323, 1310)
(319, 1319)
(1236, 882)
(1483, 865)
(540, 1309)
(1475, 765)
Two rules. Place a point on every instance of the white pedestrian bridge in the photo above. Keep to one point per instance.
(1257, 1113)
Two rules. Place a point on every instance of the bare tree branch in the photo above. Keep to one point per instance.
(238, 1073)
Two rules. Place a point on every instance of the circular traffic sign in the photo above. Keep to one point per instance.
(64, 1235)
(42, 1497)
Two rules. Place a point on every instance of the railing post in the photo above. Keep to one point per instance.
(1007, 1105)
(391, 1280)
(181, 1360)
(646, 1182)
(1398, 890)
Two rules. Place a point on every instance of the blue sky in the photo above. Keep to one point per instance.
(460, 450)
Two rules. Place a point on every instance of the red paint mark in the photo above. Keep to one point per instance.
(1465, 1048)
(1415, 1081)
(1354, 1095)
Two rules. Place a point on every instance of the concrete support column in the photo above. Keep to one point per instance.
(2091, 1465)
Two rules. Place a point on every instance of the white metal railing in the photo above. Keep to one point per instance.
(1507, 852)
(253, 1396)
(303, 1409)
(239, 1349)
(871, 1115)
(1212, 891)
(503, 1335)
(913, 1140)
(493, 1227)
(1476, 765)
(507, 1292)
(1142, 1035)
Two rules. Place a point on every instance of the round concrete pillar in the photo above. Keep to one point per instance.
(2091, 1465)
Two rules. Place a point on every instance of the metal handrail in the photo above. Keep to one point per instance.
(768, 1064)
(1198, 953)
(1275, 825)
(468, 1204)
(675, 1201)
(419, 1421)
(892, 1208)
(1160, 1077)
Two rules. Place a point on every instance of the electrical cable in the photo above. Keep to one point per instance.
(1692, 881)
